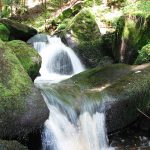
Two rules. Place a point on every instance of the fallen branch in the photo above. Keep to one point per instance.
(143, 113)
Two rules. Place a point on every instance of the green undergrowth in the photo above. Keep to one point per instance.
(143, 55)
(140, 7)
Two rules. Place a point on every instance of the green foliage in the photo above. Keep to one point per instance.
(67, 13)
(90, 3)
(132, 34)
(57, 3)
(143, 55)
(4, 32)
(6, 11)
(141, 7)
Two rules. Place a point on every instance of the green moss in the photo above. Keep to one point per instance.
(27, 55)
(134, 86)
(101, 75)
(4, 32)
(11, 145)
(131, 35)
(143, 55)
(112, 83)
(18, 30)
(84, 26)
(91, 46)
(14, 83)
(67, 13)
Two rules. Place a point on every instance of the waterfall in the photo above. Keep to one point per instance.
(66, 129)
(58, 61)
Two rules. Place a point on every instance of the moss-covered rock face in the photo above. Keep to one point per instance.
(18, 31)
(143, 55)
(132, 34)
(28, 56)
(11, 145)
(84, 37)
(84, 26)
(122, 89)
(4, 32)
(22, 108)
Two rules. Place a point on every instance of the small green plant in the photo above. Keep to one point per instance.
(144, 55)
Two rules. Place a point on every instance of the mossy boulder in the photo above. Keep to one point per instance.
(11, 145)
(4, 32)
(22, 108)
(118, 90)
(143, 55)
(18, 31)
(84, 37)
(28, 56)
(84, 26)
(132, 34)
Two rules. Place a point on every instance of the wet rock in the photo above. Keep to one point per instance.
(119, 90)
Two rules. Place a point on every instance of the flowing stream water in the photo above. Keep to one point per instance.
(65, 129)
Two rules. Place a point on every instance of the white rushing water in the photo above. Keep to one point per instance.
(64, 129)
(58, 61)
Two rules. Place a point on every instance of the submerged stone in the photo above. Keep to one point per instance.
(62, 64)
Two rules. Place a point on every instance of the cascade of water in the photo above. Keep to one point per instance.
(58, 61)
(65, 130)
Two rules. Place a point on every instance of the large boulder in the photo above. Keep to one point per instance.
(22, 108)
(118, 90)
(28, 56)
(84, 37)
(11, 145)
(18, 31)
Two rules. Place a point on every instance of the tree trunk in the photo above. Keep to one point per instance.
(1, 5)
